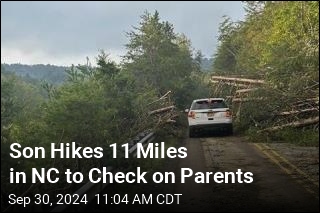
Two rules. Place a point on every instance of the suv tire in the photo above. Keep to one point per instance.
(191, 133)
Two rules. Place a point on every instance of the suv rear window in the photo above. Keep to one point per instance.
(206, 104)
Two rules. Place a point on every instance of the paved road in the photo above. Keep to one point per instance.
(276, 185)
(272, 189)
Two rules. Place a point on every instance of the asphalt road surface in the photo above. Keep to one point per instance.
(277, 185)
(272, 188)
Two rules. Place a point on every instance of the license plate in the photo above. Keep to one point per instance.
(210, 114)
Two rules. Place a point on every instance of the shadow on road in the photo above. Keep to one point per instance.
(212, 134)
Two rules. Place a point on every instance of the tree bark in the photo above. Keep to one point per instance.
(245, 90)
(232, 84)
(248, 99)
(242, 80)
(298, 111)
(161, 110)
(300, 123)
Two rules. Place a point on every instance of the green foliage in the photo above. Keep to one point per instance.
(97, 104)
(304, 137)
(19, 101)
(225, 58)
(38, 72)
(94, 108)
(100, 105)
(20, 105)
(277, 42)
(206, 64)
(105, 66)
(161, 58)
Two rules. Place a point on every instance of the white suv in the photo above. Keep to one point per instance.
(209, 114)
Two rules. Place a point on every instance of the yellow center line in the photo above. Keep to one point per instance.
(293, 166)
(271, 154)
(272, 158)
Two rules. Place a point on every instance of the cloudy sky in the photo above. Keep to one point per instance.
(64, 33)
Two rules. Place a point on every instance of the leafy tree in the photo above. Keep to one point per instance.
(38, 72)
(278, 40)
(161, 58)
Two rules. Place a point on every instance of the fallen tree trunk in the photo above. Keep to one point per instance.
(171, 121)
(237, 100)
(316, 99)
(165, 95)
(232, 84)
(245, 90)
(300, 123)
(242, 80)
(298, 111)
(162, 97)
(306, 101)
(161, 110)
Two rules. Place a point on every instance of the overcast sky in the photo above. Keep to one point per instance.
(64, 33)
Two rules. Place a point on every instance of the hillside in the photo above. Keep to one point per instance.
(50, 73)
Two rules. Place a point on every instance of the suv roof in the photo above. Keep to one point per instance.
(214, 99)
(208, 103)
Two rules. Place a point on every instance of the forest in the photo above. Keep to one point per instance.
(50, 73)
(109, 103)
(95, 105)
(278, 43)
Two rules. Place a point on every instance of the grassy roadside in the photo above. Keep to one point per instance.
(300, 137)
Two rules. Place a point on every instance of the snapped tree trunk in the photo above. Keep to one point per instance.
(300, 123)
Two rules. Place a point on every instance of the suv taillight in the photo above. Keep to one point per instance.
(192, 114)
(228, 113)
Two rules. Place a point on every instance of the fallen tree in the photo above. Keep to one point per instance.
(231, 84)
(298, 111)
(162, 97)
(300, 123)
(248, 99)
(161, 110)
(245, 90)
(241, 80)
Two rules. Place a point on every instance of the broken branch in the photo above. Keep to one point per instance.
(300, 123)
(161, 110)
(242, 80)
